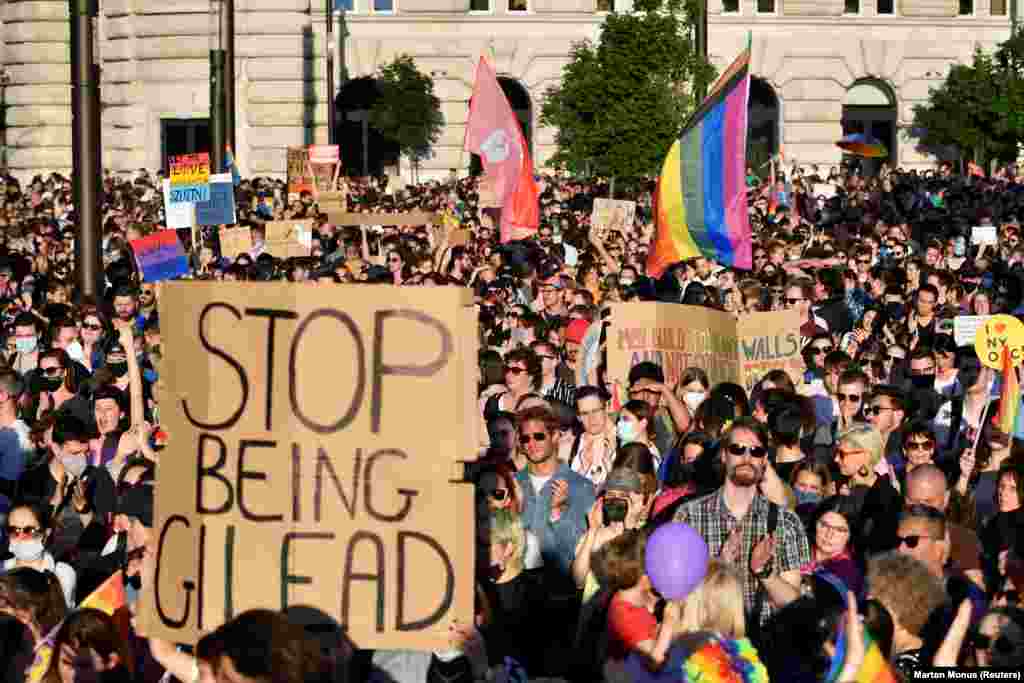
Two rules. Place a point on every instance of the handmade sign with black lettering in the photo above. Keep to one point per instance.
(315, 438)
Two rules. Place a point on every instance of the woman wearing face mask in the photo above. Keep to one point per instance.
(88, 647)
(693, 388)
(28, 532)
(636, 425)
(56, 381)
(811, 482)
(94, 328)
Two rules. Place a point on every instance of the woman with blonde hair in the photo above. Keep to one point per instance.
(716, 604)
(874, 503)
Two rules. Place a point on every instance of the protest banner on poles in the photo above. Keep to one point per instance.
(300, 179)
(678, 337)
(317, 434)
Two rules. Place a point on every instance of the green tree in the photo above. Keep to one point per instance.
(623, 100)
(407, 111)
(977, 109)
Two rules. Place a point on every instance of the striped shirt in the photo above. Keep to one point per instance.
(560, 392)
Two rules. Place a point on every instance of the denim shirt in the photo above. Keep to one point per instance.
(557, 539)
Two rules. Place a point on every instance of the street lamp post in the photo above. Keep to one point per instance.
(329, 55)
(701, 39)
(219, 25)
(86, 150)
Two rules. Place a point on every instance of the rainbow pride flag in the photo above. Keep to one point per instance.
(702, 192)
(874, 668)
(1009, 397)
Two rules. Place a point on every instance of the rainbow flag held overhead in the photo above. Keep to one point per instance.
(702, 193)
(1009, 397)
(874, 668)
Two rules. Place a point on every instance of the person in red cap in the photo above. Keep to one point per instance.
(574, 334)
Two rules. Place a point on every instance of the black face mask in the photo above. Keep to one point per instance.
(922, 381)
(615, 510)
(119, 369)
(51, 383)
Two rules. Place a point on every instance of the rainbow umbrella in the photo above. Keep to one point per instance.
(863, 145)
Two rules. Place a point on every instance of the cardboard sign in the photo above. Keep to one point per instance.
(299, 178)
(965, 328)
(316, 432)
(612, 214)
(826, 190)
(413, 218)
(160, 256)
(332, 202)
(287, 230)
(769, 341)
(235, 241)
(675, 337)
(487, 189)
(190, 178)
(984, 234)
(220, 210)
(286, 249)
(177, 215)
(997, 333)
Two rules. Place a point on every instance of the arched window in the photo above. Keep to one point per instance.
(870, 108)
(762, 123)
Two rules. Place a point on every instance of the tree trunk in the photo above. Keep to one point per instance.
(611, 188)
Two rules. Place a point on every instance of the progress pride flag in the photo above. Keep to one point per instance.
(494, 134)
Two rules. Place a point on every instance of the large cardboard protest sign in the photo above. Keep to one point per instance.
(678, 337)
(235, 241)
(316, 434)
(675, 337)
(300, 178)
(769, 341)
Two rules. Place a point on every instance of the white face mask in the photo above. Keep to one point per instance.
(693, 399)
(76, 352)
(74, 464)
(27, 551)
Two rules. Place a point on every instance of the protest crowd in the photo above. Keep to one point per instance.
(863, 509)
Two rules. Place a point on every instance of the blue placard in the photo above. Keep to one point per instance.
(190, 194)
(220, 209)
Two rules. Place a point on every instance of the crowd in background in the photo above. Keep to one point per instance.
(875, 484)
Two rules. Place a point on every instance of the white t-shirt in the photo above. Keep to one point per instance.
(538, 483)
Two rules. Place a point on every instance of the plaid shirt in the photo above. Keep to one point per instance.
(713, 520)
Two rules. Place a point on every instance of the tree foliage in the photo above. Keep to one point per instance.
(623, 100)
(977, 109)
(407, 111)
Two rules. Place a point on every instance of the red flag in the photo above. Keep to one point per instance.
(493, 132)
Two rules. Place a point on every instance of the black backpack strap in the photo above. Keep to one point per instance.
(954, 422)
(575, 452)
(754, 621)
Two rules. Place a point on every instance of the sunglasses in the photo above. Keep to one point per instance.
(499, 494)
(514, 370)
(818, 350)
(754, 451)
(536, 436)
(864, 261)
(51, 372)
(792, 302)
(918, 446)
(876, 410)
(23, 531)
(910, 541)
(92, 326)
(894, 358)
(852, 398)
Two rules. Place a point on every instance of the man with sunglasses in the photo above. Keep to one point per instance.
(735, 522)
(886, 411)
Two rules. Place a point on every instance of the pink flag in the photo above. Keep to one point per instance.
(493, 132)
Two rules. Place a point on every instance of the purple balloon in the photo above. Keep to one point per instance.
(676, 560)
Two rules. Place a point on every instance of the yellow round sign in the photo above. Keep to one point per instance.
(998, 332)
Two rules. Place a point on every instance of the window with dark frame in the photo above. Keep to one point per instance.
(480, 5)
(731, 6)
(518, 6)
(605, 5)
(766, 6)
(852, 7)
(966, 7)
(998, 8)
(886, 7)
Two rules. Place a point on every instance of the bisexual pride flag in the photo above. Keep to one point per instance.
(160, 256)
(701, 199)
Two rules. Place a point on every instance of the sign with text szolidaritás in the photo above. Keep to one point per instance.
(315, 435)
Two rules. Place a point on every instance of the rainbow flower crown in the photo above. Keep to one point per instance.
(722, 660)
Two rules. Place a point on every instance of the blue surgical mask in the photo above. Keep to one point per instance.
(26, 344)
(626, 431)
(807, 497)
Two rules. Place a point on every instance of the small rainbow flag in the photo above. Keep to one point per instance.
(160, 256)
(1009, 397)
(108, 598)
(874, 668)
(702, 193)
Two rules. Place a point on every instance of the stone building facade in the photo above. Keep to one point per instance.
(823, 66)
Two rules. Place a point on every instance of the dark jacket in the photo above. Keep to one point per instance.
(836, 314)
